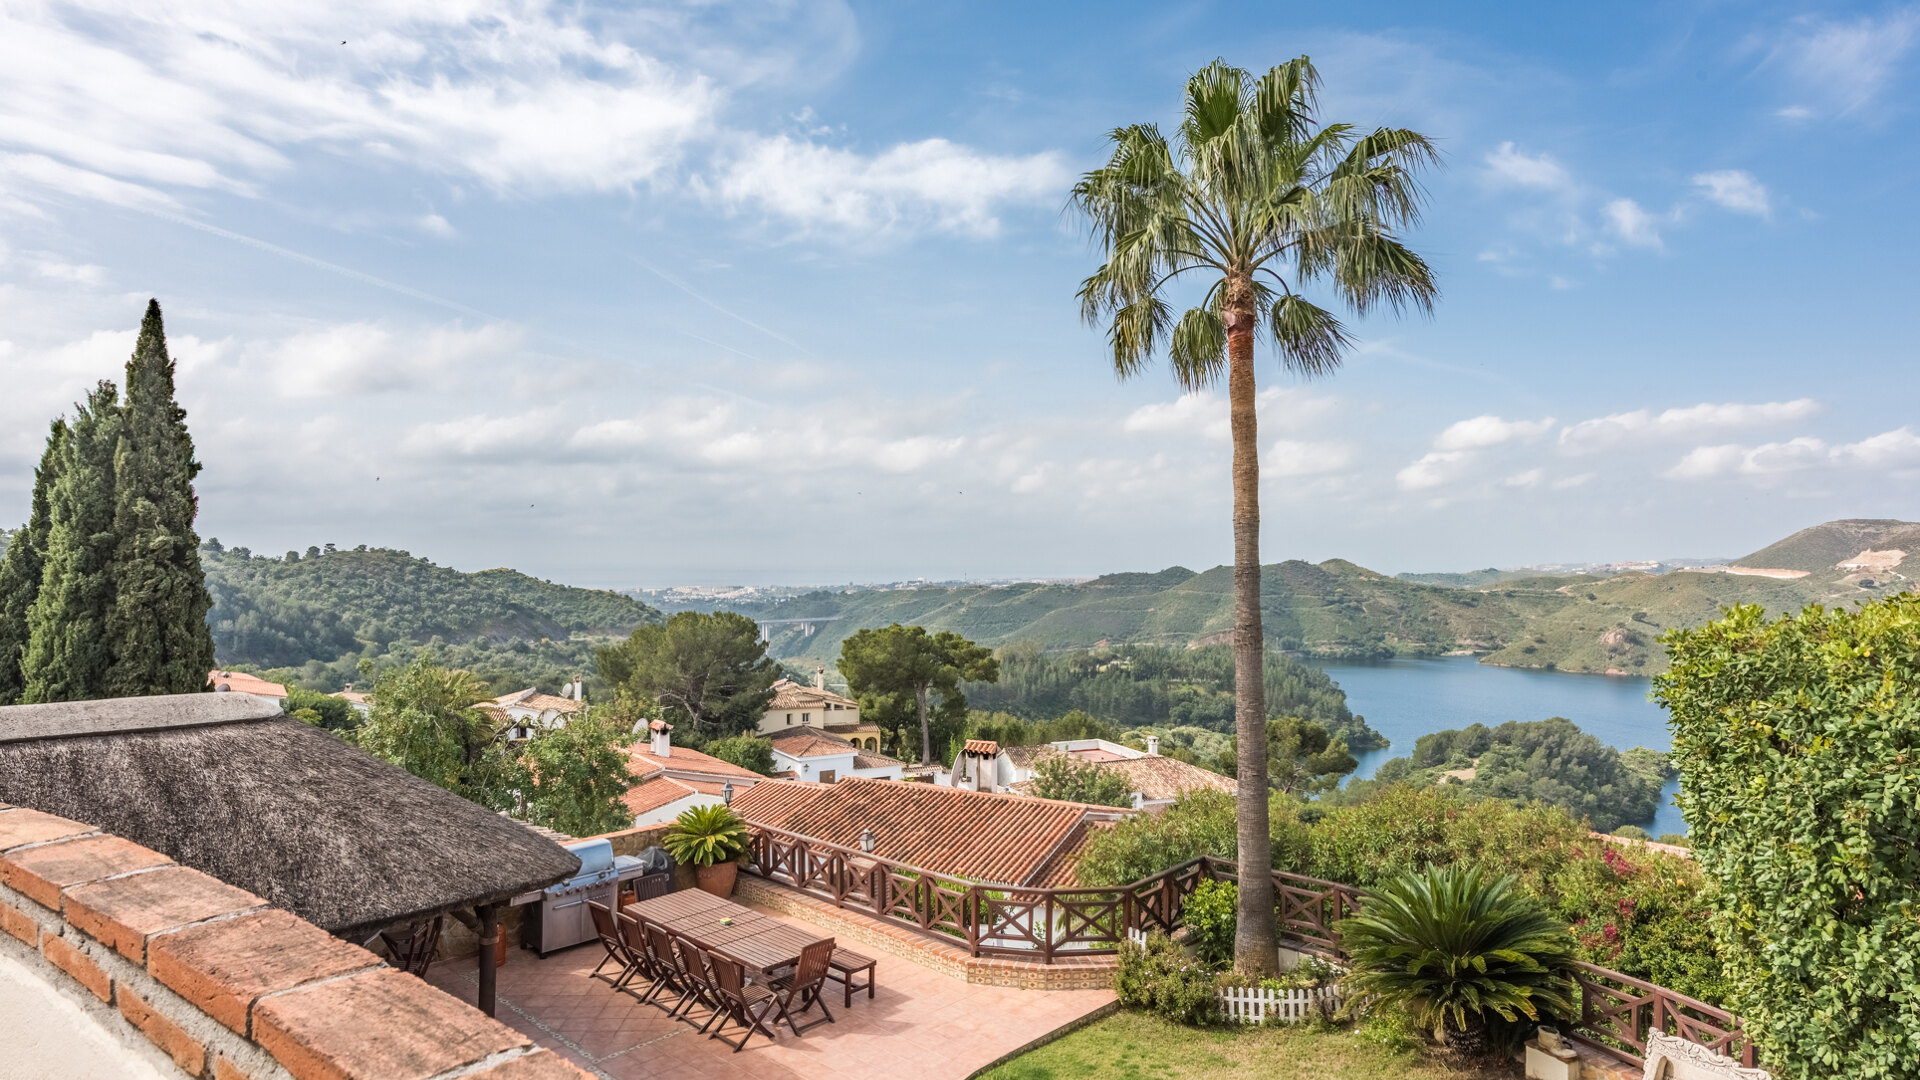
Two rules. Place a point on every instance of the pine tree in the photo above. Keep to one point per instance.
(157, 632)
(67, 653)
(20, 570)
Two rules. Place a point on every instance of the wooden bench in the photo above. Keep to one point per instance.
(844, 966)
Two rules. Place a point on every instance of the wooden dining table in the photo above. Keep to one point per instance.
(761, 942)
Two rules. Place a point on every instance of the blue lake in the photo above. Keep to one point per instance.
(1405, 699)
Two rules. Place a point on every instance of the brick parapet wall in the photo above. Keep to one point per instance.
(222, 985)
(927, 950)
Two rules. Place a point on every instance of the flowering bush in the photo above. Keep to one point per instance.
(1161, 977)
(1211, 918)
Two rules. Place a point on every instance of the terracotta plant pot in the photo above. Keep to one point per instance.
(718, 878)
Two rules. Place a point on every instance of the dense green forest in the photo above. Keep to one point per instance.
(1150, 686)
(1537, 761)
(312, 618)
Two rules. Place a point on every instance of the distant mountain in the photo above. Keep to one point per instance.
(1821, 549)
(320, 614)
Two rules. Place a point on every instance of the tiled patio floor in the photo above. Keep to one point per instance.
(921, 1025)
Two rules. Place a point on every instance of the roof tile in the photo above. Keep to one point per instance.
(224, 967)
(385, 1024)
(42, 872)
(125, 912)
(972, 834)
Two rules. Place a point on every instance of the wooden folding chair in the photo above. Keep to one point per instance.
(617, 952)
(693, 966)
(802, 988)
(412, 949)
(742, 1002)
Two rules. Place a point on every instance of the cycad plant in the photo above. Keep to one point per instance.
(1261, 201)
(706, 836)
(1451, 946)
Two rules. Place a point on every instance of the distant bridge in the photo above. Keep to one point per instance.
(806, 626)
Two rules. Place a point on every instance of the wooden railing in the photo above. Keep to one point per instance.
(1616, 1010)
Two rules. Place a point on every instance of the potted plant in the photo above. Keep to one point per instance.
(711, 839)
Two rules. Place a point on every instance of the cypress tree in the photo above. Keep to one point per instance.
(67, 652)
(20, 570)
(157, 633)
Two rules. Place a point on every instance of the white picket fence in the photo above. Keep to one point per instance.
(1252, 1005)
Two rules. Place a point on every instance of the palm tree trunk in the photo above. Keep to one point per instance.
(1254, 946)
(926, 734)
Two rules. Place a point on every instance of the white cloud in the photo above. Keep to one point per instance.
(1484, 431)
(1850, 63)
(1295, 457)
(1736, 190)
(1794, 112)
(436, 225)
(76, 273)
(367, 358)
(1684, 423)
(1896, 449)
(1433, 469)
(1526, 479)
(1567, 482)
(1204, 413)
(1509, 166)
(932, 183)
(1632, 223)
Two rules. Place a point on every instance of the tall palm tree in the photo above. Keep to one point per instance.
(1254, 195)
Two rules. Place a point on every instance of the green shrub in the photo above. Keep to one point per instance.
(706, 835)
(1160, 977)
(1211, 919)
(750, 752)
(1632, 832)
(1798, 741)
(1456, 948)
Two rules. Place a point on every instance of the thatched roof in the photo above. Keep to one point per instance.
(226, 784)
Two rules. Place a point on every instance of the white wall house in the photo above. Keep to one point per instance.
(822, 757)
(983, 765)
(673, 779)
(796, 706)
(531, 709)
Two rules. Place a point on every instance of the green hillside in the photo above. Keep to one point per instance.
(314, 618)
(1819, 549)
(1332, 609)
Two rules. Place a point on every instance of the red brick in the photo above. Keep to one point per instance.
(185, 1050)
(33, 827)
(19, 924)
(223, 966)
(125, 912)
(42, 872)
(539, 1065)
(225, 1069)
(68, 958)
(381, 1025)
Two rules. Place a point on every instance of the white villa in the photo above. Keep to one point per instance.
(529, 708)
(984, 765)
(673, 778)
(796, 706)
(822, 757)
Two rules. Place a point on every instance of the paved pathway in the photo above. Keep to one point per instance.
(920, 1025)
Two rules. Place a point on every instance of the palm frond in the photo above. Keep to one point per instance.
(1310, 338)
(1374, 267)
(1135, 330)
(1198, 349)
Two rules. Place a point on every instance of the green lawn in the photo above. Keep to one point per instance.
(1141, 1046)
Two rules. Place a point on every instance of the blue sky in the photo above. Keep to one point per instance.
(784, 293)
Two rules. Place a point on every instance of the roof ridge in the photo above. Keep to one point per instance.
(124, 716)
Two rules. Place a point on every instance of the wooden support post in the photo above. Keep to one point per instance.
(488, 915)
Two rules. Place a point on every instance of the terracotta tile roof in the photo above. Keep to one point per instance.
(867, 759)
(354, 696)
(1155, 778)
(531, 698)
(1158, 778)
(642, 762)
(788, 694)
(807, 743)
(1096, 754)
(774, 802)
(981, 748)
(1023, 757)
(1006, 839)
(240, 682)
(664, 790)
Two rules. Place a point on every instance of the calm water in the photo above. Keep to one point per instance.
(1405, 699)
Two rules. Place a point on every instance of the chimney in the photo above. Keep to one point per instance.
(819, 678)
(579, 688)
(1153, 746)
(662, 738)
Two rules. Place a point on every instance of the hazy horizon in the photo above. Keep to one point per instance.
(745, 295)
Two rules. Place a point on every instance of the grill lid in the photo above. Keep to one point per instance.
(596, 856)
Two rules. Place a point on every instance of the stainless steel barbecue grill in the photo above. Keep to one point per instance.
(561, 918)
